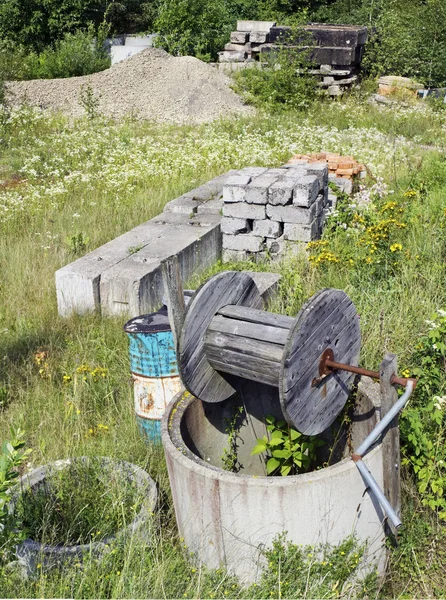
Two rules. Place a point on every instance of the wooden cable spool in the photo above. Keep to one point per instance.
(226, 335)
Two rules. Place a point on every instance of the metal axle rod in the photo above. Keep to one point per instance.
(327, 365)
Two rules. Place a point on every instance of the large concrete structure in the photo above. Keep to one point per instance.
(228, 518)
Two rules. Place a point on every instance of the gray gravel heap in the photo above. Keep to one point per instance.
(150, 85)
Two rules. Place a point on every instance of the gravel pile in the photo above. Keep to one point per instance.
(150, 85)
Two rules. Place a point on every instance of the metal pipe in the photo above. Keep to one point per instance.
(377, 493)
(374, 488)
(399, 405)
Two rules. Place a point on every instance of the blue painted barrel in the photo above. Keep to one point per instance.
(154, 369)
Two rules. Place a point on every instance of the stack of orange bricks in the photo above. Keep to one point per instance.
(340, 166)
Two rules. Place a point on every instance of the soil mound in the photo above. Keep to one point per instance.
(150, 85)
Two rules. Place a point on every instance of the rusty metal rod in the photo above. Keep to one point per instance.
(331, 364)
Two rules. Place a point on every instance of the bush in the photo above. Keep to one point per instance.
(193, 27)
(281, 83)
(79, 53)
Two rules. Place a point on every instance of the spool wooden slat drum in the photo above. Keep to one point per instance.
(328, 320)
(225, 333)
(199, 378)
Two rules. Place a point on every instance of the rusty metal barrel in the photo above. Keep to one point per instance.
(154, 368)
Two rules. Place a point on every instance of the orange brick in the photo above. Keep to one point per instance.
(345, 164)
(332, 166)
(348, 172)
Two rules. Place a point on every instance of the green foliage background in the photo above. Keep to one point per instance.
(406, 37)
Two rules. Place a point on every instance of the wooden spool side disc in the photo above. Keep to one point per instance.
(328, 320)
(199, 378)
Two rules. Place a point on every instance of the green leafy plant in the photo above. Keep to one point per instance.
(423, 424)
(89, 101)
(229, 457)
(135, 249)
(289, 451)
(322, 571)
(12, 458)
(77, 242)
(282, 81)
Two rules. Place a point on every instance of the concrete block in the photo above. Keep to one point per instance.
(282, 247)
(281, 192)
(259, 37)
(134, 286)
(292, 213)
(235, 255)
(253, 171)
(242, 210)
(296, 170)
(78, 284)
(171, 218)
(145, 41)
(306, 190)
(235, 188)
(320, 170)
(239, 37)
(184, 205)
(232, 56)
(332, 55)
(332, 199)
(267, 283)
(211, 207)
(276, 171)
(255, 25)
(234, 47)
(257, 191)
(280, 32)
(120, 53)
(245, 241)
(205, 220)
(267, 228)
(232, 226)
(301, 233)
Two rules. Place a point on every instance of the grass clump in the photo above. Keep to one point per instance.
(86, 500)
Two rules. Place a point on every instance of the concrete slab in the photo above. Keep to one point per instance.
(77, 284)
(255, 25)
(134, 286)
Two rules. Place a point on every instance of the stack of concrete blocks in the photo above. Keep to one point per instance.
(270, 212)
(246, 42)
(334, 50)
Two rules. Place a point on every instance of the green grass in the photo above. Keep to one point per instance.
(47, 364)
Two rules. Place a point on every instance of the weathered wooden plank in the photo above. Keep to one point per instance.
(254, 331)
(391, 435)
(230, 361)
(196, 373)
(328, 320)
(251, 315)
(245, 373)
(173, 290)
(215, 341)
